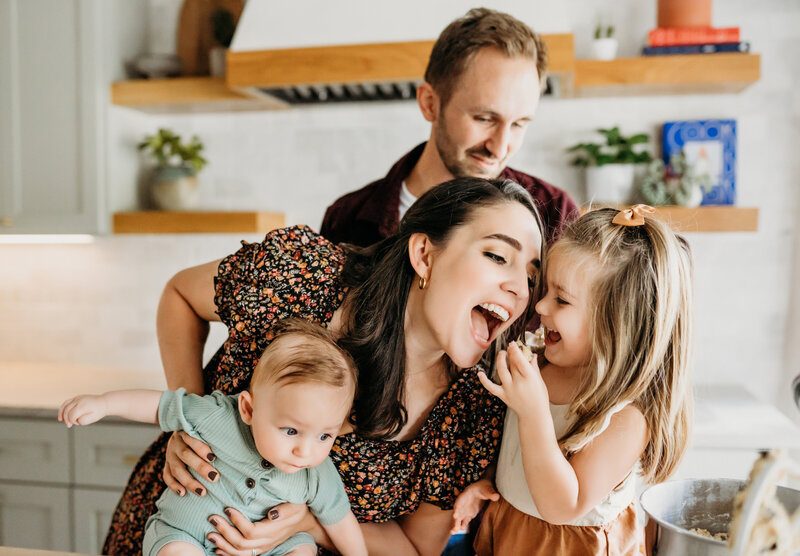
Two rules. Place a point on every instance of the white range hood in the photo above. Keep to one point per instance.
(323, 51)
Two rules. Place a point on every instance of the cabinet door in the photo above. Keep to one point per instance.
(34, 450)
(51, 106)
(92, 516)
(34, 517)
(106, 454)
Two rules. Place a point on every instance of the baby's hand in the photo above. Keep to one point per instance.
(82, 410)
(469, 503)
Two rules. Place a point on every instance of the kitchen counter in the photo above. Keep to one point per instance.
(37, 389)
(6, 551)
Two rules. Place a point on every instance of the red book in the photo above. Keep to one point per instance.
(680, 36)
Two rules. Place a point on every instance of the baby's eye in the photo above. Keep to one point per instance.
(289, 431)
(324, 437)
(561, 301)
(495, 257)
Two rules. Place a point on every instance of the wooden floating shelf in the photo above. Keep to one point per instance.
(729, 72)
(168, 222)
(709, 218)
(178, 95)
(673, 74)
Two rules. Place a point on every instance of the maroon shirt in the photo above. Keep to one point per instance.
(369, 214)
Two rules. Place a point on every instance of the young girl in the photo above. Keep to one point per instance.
(609, 398)
(271, 444)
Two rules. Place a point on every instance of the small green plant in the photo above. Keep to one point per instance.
(603, 31)
(167, 149)
(223, 26)
(618, 149)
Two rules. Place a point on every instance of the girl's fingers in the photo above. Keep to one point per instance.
(501, 366)
(490, 386)
(517, 362)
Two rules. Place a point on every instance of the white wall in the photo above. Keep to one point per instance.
(96, 303)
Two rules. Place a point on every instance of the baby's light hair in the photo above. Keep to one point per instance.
(318, 358)
(641, 332)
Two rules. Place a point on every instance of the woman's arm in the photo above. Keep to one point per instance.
(425, 532)
(184, 311)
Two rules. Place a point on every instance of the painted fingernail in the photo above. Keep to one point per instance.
(213, 539)
(212, 475)
(199, 491)
(273, 514)
(211, 456)
(227, 512)
(180, 492)
(212, 521)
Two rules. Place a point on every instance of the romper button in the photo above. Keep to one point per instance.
(265, 464)
(250, 483)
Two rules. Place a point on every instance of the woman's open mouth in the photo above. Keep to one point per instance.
(486, 320)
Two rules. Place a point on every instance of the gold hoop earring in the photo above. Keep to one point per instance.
(423, 283)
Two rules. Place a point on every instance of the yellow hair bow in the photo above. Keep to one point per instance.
(633, 216)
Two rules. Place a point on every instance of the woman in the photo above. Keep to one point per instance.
(417, 311)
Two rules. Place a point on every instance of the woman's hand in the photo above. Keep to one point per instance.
(469, 503)
(521, 386)
(184, 450)
(242, 537)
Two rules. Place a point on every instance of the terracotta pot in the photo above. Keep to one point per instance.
(684, 13)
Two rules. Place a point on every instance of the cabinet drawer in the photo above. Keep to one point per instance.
(34, 517)
(33, 450)
(105, 454)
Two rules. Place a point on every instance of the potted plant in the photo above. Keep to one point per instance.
(173, 181)
(609, 166)
(676, 183)
(604, 45)
(223, 25)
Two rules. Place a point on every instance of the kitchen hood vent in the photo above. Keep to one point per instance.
(360, 50)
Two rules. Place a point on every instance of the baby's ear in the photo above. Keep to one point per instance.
(246, 406)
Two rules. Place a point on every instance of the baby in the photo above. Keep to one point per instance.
(271, 441)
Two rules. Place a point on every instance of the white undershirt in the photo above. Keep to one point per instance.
(406, 200)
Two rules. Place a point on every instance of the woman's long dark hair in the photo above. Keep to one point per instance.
(379, 278)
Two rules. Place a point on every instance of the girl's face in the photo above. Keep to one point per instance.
(565, 309)
(478, 283)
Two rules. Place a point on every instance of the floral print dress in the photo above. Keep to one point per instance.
(295, 272)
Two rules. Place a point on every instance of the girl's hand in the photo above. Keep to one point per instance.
(469, 503)
(242, 537)
(184, 450)
(521, 386)
(83, 410)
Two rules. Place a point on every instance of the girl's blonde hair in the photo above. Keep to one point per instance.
(641, 333)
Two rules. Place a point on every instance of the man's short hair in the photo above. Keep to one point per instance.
(318, 358)
(464, 37)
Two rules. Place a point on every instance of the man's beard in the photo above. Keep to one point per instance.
(461, 168)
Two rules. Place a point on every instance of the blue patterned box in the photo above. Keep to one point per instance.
(710, 146)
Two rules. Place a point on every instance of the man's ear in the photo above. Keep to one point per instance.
(420, 253)
(246, 406)
(428, 101)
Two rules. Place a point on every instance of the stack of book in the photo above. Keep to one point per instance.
(694, 40)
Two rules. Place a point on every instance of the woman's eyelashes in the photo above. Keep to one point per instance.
(499, 259)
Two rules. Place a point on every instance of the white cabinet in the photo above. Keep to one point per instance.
(59, 486)
(52, 106)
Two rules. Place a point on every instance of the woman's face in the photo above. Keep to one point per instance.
(478, 283)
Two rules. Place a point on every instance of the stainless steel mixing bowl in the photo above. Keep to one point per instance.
(677, 506)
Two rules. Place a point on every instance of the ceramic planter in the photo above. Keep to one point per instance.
(609, 184)
(604, 49)
(174, 188)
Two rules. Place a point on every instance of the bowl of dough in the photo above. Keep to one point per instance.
(726, 517)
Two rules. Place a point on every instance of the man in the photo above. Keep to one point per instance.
(482, 86)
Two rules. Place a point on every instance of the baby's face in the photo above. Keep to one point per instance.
(294, 425)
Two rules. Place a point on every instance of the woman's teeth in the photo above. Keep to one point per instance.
(498, 312)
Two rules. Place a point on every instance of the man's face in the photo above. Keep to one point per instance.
(484, 121)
